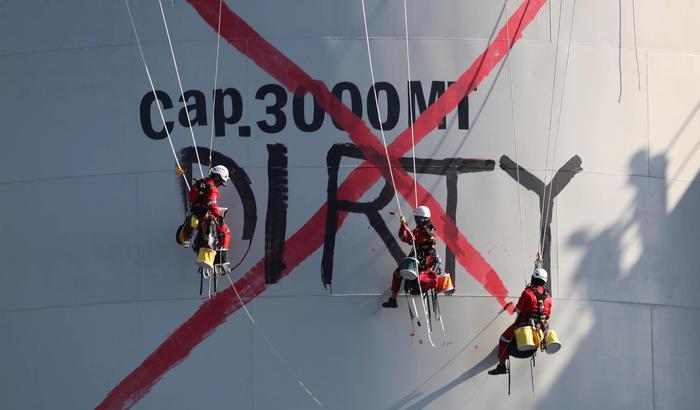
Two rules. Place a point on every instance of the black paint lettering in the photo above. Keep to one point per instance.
(199, 107)
(145, 113)
(280, 119)
(371, 209)
(393, 106)
(234, 107)
(462, 111)
(355, 98)
(299, 117)
(451, 168)
(416, 97)
(276, 219)
(561, 179)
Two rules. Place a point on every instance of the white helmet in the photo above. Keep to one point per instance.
(540, 273)
(221, 171)
(422, 211)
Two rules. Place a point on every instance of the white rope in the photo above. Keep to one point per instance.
(413, 138)
(619, 50)
(441, 320)
(216, 77)
(153, 89)
(547, 197)
(272, 347)
(388, 159)
(508, 60)
(427, 321)
(182, 92)
(549, 131)
(410, 105)
(636, 49)
(379, 115)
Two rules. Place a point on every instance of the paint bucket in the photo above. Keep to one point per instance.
(205, 257)
(552, 344)
(194, 221)
(183, 235)
(408, 269)
(525, 339)
(444, 283)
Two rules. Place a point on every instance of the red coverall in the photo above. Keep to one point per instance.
(526, 304)
(203, 196)
(425, 245)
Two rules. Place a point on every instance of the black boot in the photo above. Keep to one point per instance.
(500, 369)
(391, 303)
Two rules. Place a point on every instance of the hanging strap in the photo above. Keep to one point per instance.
(532, 374)
(508, 369)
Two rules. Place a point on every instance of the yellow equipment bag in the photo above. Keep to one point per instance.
(552, 344)
(525, 339)
(444, 283)
(205, 257)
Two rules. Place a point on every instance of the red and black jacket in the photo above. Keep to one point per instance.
(203, 198)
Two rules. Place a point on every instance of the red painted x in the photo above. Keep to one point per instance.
(310, 237)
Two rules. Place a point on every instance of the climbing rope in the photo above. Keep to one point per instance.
(272, 347)
(212, 277)
(410, 106)
(376, 100)
(547, 196)
(515, 140)
(216, 77)
(386, 152)
(182, 92)
(619, 50)
(549, 129)
(636, 48)
(413, 139)
(155, 96)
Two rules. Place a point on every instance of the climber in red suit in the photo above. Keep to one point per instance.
(203, 197)
(535, 304)
(428, 261)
